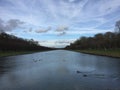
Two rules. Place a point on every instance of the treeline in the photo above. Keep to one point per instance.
(109, 40)
(13, 43)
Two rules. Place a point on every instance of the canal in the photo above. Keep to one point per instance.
(59, 70)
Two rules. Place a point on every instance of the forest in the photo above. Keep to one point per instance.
(13, 43)
(108, 40)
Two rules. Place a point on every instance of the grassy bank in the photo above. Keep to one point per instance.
(13, 53)
(110, 53)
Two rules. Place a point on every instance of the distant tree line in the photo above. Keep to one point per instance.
(11, 42)
(109, 40)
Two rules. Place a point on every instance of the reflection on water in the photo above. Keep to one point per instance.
(59, 70)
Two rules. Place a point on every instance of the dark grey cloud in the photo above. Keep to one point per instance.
(61, 28)
(61, 33)
(10, 25)
(43, 30)
(30, 30)
(117, 26)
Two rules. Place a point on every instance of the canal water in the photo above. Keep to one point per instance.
(59, 70)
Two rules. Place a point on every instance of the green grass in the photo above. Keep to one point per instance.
(13, 53)
(109, 52)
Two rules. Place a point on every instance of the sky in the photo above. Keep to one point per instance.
(57, 23)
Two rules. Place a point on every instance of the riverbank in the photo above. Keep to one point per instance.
(13, 53)
(110, 53)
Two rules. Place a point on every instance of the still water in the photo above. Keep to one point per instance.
(59, 70)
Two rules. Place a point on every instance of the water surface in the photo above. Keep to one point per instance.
(59, 70)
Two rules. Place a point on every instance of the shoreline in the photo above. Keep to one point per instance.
(108, 53)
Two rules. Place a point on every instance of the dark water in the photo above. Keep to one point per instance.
(59, 70)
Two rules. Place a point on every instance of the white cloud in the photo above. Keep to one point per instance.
(61, 43)
(87, 31)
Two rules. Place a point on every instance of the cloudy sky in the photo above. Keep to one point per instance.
(56, 23)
